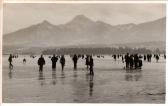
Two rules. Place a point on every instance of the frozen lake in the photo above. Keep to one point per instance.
(110, 84)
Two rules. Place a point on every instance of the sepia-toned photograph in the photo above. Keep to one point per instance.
(84, 53)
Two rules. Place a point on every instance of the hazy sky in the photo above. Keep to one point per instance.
(18, 16)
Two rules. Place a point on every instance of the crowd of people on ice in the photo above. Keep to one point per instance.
(132, 61)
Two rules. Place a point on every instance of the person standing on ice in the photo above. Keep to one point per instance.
(140, 62)
(91, 64)
(136, 60)
(75, 60)
(10, 61)
(164, 56)
(127, 60)
(62, 61)
(157, 58)
(131, 61)
(54, 61)
(41, 62)
(87, 62)
(24, 60)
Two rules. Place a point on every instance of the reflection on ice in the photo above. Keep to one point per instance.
(91, 84)
(10, 74)
(54, 77)
(41, 78)
(75, 75)
(133, 76)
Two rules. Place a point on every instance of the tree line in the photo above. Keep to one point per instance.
(106, 50)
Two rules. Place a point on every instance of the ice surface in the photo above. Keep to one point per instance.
(110, 84)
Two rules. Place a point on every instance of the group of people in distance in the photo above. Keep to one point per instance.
(54, 59)
(133, 61)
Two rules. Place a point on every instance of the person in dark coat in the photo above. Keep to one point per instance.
(157, 57)
(114, 56)
(24, 60)
(10, 61)
(140, 62)
(41, 62)
(131, 60)
(136, 60)
(91, 64)
(54, 60)
(127, 60)
(87, 62)
(150, 57)
(144, 57)
(62, 61)
(75, 60)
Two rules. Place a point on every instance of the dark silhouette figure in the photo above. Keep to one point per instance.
(118, 56)
(136, 60)
(24, 60)
(157, 58)
(75, 60)
(10, 61)
(114, 56)
(82, 56)
(140, 62)
(149, 56)
(62, 61)
(54, 60)
(127, 60)
(41, 62)
(131, 60)
(144, 57)
(91, 64)
(164, 56)
(87, 61)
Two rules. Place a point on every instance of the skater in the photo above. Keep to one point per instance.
(62, 61)
(127, 60)
(114, 56)
(87, 62)
(140, 62)
(41, 62)
(149, 56)
(54, 61)
(164, 56)
(144, 57)
(75, 60)
(91, 64)
(10, 61)
(136, 60)
(24, 60)
(157, 57)
(131, 60)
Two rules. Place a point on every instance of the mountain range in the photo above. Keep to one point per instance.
(83, 31)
